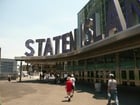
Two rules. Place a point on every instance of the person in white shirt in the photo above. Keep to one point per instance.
(73, 84)
(112, 89)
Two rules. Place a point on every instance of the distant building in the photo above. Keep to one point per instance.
(8, 67)
(0, 53)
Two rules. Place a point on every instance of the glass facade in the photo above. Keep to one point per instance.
(108, 18)
(8, 66)
(93, 10)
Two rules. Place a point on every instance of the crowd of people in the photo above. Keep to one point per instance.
(69, 81)
(111, 88)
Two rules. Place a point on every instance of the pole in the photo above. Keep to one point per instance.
(20, 71)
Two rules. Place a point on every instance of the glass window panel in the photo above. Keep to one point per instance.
(123, 75)
(139, 74)
(97, 74)
(92, 74)
(131, 75)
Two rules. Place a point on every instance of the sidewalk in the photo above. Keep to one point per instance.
(34, 92)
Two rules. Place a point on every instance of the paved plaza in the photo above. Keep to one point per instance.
(35, 92)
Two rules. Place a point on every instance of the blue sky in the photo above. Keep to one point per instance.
(34, 19)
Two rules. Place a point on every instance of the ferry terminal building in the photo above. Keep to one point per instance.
(106, 41)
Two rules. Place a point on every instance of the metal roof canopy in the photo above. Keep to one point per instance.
(125, 40)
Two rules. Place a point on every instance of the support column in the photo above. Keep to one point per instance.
(20, 71)
(73, 66)
(118, 72)
(27, 67)
(136, 71)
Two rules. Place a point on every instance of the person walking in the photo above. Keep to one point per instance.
(68, 88)
(73, 84)
(9, 77)
(112, 90)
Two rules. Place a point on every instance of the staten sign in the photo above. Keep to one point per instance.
(118, 17)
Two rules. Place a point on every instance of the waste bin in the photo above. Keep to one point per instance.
(97, 87)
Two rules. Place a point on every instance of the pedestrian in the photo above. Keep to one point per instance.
(9, 77)
(112, 90)
(68, 88)
(73, 84)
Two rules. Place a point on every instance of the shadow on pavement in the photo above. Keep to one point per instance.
(90, 89)
(65, 100)
(127, 95)
(36, 81)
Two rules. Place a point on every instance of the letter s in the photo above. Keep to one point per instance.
(27, 44)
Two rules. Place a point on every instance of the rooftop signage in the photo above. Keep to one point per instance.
(118, 18)
(67, 45)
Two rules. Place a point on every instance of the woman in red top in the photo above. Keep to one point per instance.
(68, 88)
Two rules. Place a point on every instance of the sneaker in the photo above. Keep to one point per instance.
(71, 96)
(69, 99)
